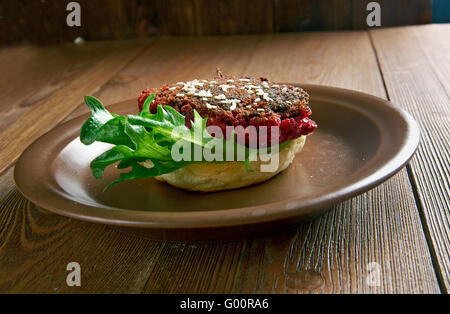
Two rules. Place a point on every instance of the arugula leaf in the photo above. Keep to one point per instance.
(98, 118)
(141, 139)
(102, 126)
(146, 105)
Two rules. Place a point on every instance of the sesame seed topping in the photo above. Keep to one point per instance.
(233, 103)
(189, 88)
(221, 96)
(225, 87)
(204, 93)
(193, 84)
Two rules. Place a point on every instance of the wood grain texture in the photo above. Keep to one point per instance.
(437, 51)
(414, 62)
(36, 246)
(300, 15)
(44, 22)
(46, 87)
(204, 17)
(330, 254)
(341, 59)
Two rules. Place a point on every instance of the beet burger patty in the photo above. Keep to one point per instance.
(245, 101)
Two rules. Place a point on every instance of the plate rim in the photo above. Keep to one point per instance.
(235, 217)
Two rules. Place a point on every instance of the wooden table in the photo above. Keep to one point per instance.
(403, 224)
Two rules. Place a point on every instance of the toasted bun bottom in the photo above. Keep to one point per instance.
(219, 176)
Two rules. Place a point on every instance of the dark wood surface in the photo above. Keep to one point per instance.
(44, 22)
(421, 64)
(403, 224)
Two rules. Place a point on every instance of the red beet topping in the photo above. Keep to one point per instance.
(142, 97)
(293, 122)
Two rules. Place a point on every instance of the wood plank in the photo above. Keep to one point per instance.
(49, 84)
(434, 39)
(331, 253)
(417, 80)
(44, 22)
(204, 17)
(328, 58)
(300, 15)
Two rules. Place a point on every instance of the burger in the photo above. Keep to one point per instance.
(204, 135)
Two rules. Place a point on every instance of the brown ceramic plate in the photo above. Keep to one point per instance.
(361, 141)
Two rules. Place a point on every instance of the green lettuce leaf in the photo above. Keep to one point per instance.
(143, 142)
